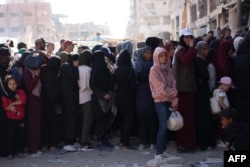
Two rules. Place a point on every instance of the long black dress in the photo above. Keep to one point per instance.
(241, 80)
(101, 83)
(125, 80)
(4, 91)
(205, 134)
(70, 94)
(53, 102)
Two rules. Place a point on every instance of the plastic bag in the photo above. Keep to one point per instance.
(175, 121)
(215, 108)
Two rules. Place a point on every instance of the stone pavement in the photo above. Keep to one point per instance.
(115, 158)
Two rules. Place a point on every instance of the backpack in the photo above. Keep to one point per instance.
(33, 61)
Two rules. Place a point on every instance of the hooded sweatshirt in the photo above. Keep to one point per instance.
(161, 80)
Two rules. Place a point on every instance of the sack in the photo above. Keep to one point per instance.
(33, 60)
(175, 121)
(215, 108)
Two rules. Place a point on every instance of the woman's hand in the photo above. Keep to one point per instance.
(107, 96)
(174, 104)
(37, 72)
(174, 107)
(191, 43)
(75, 63)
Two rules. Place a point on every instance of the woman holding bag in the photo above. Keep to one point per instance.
(162, 85)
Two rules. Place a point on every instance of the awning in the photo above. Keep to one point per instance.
(228, 5)
(216, 12)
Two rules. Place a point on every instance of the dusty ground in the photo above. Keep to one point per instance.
(115, 158)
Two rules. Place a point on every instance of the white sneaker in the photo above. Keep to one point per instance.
(69, 148)
(87, 148)
(221, 145)
(158, 159)
(37, 154)
(117, 147)
(141, 147)
(165, 154)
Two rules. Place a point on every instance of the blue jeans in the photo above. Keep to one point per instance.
(162, 109)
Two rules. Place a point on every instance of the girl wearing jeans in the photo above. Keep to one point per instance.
(162, 85)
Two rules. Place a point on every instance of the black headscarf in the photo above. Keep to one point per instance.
(4, 63)
(99, 62)
(85, 58)
(124, 59)
(72, 57)
(153, 42)
(244, 47)
(54, 63)
(4, 57)
(101, 81)
(96, 47)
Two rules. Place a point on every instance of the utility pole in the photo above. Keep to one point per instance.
(239, 6)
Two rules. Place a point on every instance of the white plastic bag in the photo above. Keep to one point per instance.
(215, 108)
(175, 121)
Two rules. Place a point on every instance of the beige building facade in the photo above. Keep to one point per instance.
(149, 18)
(166, 18)
(206, 15)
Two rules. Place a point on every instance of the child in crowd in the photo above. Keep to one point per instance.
(147, 117)
(220, 94)
(15, 113)
(237, 134)
(164, 93)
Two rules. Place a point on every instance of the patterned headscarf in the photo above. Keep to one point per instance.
(127, 45)
(138, 58)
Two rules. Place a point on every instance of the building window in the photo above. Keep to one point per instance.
(16, 14)
(15, 29)
(1, 29)
(42, 13)
(27, 13)
(1, 14)
(150, 7)
(177, 22)
(203, 30)
(193, 13)
(203, 8)
(166, 20)
(153, 21)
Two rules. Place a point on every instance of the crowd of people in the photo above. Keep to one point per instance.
(123, 91)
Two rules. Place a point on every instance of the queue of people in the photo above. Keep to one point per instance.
(73, 99)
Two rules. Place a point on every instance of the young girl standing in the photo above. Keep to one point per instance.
(15, 113)
(220, 94)
(164, 92)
